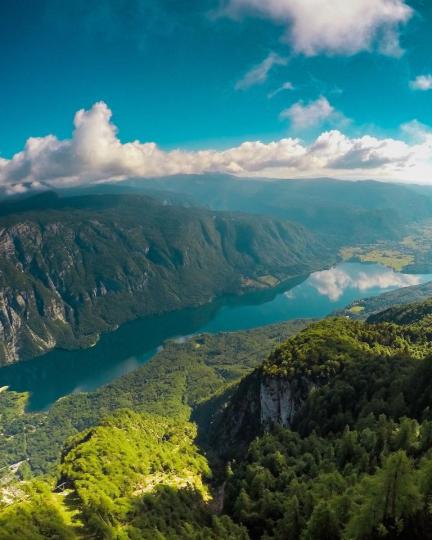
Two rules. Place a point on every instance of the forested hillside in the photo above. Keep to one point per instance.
(184, 378)
(330, 438)
(347, 212)
(75, 267)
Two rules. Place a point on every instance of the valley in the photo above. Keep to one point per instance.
(135, 343)
(412, 253)
(216, 270)
(337, 406)
(207, 389)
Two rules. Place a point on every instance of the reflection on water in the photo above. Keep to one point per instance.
(59, 373)
(334, 282)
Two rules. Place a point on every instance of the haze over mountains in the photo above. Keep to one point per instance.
(301, 426)
(336, 212)
(88, 259)
(360, 211)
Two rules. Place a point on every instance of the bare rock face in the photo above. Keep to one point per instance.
(17, 323)
(278, 403)
(259, 402)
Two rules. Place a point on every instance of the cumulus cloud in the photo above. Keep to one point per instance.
(304, 116)
(422, 82)
(338, 27)
(258, 74)
(95, 153)
(334, 282)
(416, 131)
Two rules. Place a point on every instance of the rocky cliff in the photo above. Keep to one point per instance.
(259, 403)
(284, 389)
(280, 400)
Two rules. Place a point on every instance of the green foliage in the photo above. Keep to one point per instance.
(328, 488)
(180, 514)
(355, 465)
(135, 476)
(386, 500)
(322, 350)
(36, 516)
(183, 377)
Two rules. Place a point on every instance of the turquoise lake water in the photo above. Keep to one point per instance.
(59, 373)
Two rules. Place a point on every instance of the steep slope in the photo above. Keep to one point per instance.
(184, 378)
(405, 314)
(350, 459)
(72, 268)
(355, 462)
(135, 476)
(286, 390)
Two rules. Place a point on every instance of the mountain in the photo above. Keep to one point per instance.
(331, 435)
(405, 314)
(279, 392)
(329, 438)
(348, 212)
(71, 268)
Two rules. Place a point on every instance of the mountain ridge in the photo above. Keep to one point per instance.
(74, 267)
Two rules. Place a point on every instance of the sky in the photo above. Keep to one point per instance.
(96, 91)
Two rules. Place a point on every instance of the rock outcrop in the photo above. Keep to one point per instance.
(258, 403)
(278, 402)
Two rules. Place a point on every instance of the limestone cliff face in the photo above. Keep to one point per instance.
(281, 399)
(278, 403)
(80, 266)
(16, 308)
(260, 402)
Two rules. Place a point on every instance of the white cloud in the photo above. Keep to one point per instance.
(304, 116)
(259, 73)
(334, 282)
(422, 82)
(95, 153)
(416, 131)
(335, 27)
(285, 86)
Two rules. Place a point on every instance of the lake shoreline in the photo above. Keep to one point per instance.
(62, 372)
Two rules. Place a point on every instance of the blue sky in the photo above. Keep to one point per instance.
(206, 75)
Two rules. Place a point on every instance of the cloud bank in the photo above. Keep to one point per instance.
(95, 153)
(337, 27)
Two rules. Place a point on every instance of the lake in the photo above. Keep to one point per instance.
(59, 373)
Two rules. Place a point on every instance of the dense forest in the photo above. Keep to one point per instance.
(155, 457)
